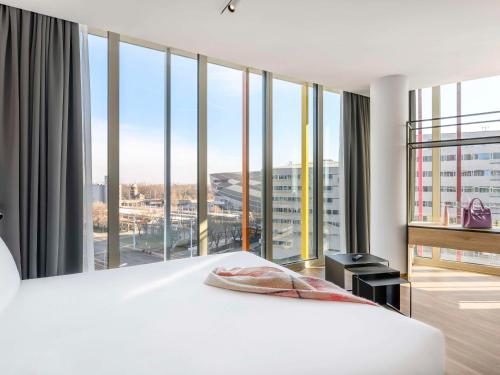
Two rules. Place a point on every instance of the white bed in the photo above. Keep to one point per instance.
(161, 319)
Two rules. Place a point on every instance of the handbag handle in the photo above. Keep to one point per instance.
(472, 202)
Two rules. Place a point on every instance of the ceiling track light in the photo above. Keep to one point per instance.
(230, 6)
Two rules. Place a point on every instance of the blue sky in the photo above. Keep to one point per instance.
(142, 101)
(480, 95)
(142, 115)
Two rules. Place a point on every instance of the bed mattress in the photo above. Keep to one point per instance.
(162, 319)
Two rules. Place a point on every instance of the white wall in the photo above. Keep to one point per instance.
(388, 116)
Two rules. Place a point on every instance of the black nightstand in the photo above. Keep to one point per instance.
(335, 265)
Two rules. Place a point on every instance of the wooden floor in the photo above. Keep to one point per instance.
(466, 307)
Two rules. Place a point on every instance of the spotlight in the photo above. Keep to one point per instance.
(230, 6)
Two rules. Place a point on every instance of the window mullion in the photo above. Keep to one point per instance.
(167, 245)
(113, 183)
(202, 157)
(245, 161)
(267, 166)
(304, 172)
(318, 198)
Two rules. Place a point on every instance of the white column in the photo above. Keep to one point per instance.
(388, 116)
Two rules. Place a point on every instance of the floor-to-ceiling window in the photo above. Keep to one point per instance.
(288, 179)
(155, 151)
(183, 237)
(331, 173)
(142, 161)
(98, 54)
(463, 172)
(447, 179)
(224, 158)
(423, 196)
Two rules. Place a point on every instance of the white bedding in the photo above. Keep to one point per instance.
(161, 319)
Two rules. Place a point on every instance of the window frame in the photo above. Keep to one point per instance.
(436, 145)
(113, 253)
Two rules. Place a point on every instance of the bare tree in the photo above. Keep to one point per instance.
(226, 230)
(211, 237)
(236, 233)
(99, 216)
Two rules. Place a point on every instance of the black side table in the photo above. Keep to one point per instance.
(378, 271)
(335, 265)
(384, 291)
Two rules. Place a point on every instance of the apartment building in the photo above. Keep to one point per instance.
(287, 205)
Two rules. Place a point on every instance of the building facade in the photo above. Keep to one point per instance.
(287, 199)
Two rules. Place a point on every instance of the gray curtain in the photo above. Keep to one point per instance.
(40, 143)
(356, 138)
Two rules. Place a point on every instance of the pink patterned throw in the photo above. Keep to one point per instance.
(274, 281)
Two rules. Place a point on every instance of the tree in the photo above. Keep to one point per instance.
(99, 216)
(236, 233)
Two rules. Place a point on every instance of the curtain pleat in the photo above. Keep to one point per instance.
(356, 152)
(41, 134)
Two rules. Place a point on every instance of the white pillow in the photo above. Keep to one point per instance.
(9, 276)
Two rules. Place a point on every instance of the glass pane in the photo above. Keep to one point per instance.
(465, 172)
(422, 251)
(423, 159)
(255, 163)
(474, 257)
(448, 107)
(224, 158)
(183, 238)
(481, 95)
(287, 185)
(450, 179)
(450, 164)
(464, 98)
(98, 63)
(423, 185)
(478, 175)
(310, 171)
(142, 124)
(477, 96)
(331, 172)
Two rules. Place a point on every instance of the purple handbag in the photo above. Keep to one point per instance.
(476, 217)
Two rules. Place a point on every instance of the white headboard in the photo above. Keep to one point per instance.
(9, 276)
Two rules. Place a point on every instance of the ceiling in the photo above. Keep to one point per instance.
(343, 44)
